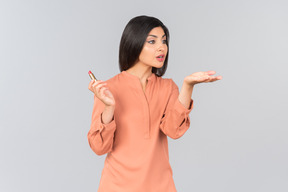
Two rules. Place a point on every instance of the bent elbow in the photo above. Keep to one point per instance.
(99, 152)
(180, 131)
(175, 136)
(100, 149)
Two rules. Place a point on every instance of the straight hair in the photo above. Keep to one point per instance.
(133, 39)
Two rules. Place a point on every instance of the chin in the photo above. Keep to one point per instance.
(159, 66)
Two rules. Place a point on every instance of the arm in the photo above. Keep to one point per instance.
(103, 126)
(176, 121)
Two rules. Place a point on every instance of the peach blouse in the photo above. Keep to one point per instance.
(136, 139)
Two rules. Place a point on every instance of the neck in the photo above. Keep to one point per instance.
(142, 73)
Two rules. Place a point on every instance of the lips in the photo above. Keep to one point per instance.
(161, 56)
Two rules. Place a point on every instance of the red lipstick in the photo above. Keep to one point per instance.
(160, 57)
(92, 76)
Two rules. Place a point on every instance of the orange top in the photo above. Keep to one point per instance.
(136, 139)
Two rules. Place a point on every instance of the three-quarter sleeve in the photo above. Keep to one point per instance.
(100, 135)
(175, 121)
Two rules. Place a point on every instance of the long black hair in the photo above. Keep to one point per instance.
(133, 39)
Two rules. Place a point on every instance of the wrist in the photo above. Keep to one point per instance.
(110, 106)
(188, 86)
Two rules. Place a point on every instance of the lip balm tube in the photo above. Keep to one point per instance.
(92, 76)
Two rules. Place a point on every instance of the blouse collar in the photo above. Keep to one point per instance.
(129, 75)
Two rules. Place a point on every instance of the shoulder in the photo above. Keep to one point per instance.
(167, 83)
(112, 81)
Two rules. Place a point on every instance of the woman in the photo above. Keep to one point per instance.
(137, 109)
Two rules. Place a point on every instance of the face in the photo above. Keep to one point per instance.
(154, 46)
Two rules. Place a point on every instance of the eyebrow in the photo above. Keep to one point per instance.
(156, 36)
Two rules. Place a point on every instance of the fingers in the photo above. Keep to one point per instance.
(100, 87)
(209, 72)
(210, 78)
(207, 78)
(219, 77)
(96, 86)
(213, 78)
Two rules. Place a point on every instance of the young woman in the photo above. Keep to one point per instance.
(137, 109)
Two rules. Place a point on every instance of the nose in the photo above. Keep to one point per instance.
(161, 47)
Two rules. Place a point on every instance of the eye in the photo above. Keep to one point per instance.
(165, 41)
(151, 41)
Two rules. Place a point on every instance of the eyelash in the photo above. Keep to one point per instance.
(165, 41)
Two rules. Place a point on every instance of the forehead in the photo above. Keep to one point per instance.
(158, 31)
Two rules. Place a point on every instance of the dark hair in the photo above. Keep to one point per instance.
(133, 39)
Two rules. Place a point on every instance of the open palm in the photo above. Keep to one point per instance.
(201, 77)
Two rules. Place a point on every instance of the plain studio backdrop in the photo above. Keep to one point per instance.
(237, 140)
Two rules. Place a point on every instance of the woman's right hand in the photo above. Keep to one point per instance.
(102, 92)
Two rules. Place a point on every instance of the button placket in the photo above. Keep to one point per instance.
(145, 101)
(147, 111)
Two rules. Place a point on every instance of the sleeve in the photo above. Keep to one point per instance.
(100, 135)
(175, 121)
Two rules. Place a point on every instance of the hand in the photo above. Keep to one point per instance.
(102, 92)
(201, 77)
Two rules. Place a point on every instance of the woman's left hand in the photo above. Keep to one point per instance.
(201, 77)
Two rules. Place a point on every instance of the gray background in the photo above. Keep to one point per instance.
(238, 135)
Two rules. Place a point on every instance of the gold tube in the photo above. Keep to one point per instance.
(92, 76)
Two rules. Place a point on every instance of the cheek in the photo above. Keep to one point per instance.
(146, 53)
